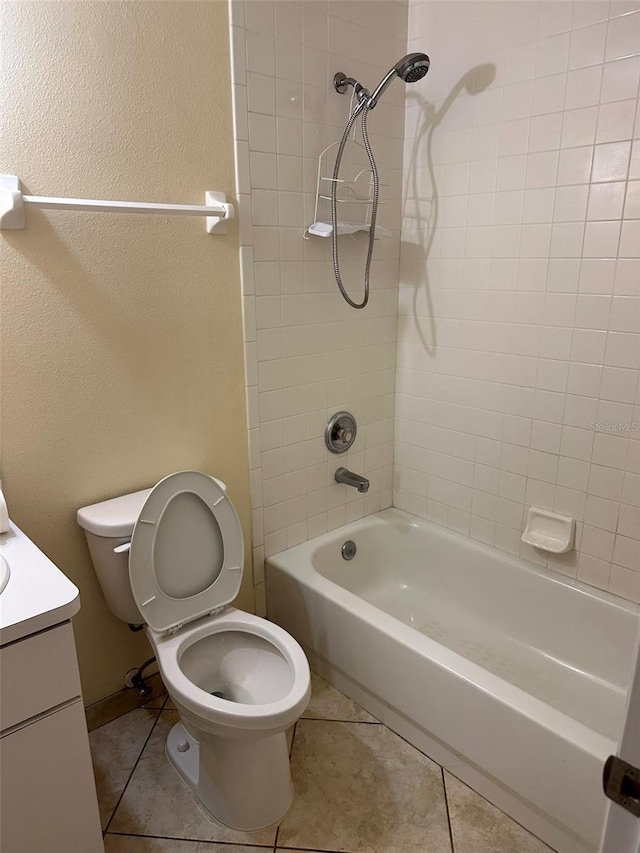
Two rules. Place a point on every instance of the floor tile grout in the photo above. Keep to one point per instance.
(274, 847)
(132, 834)
(446, 804)
(293, 737)
(163, 707)
(133, 769)
(512, 819)
(120, 716)
(307, 850)
(331, 720)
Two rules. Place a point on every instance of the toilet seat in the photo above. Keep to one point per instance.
(187, 551)
(218, 715)
(185, 562)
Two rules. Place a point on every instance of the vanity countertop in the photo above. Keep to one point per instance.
(37, 594)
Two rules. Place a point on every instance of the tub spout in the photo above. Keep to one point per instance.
(350, 479)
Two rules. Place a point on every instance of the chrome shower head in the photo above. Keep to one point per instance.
(410, 68)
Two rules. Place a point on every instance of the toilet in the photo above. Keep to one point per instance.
(171, 558)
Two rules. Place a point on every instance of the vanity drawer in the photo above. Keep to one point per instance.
(37, 673)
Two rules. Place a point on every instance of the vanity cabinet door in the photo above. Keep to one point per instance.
(47, 791)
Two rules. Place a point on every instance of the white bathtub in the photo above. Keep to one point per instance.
(511, 676)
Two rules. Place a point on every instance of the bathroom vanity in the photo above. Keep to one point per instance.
(47, 789)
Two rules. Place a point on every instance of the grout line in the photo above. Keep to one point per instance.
(124, 714)
(335, 720)
(293, 737)
(309, 850)
(133, 769)
(503, 813)
(446, 803)
(118, 717)
(233, 844)
(274, 848)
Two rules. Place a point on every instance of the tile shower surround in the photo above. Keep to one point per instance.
(309, 354)
(519, 332)
(519, 310)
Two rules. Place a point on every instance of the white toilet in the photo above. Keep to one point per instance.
(171, 557)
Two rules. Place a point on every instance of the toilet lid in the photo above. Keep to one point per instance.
(187, 551)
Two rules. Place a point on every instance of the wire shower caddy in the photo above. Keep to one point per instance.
(355, 193)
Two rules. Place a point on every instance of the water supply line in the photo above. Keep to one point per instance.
(135, 678)
(410, 69)
(362, 109)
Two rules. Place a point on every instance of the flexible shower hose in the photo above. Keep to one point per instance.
(363, 109)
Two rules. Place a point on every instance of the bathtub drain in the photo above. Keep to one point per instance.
(349, 550)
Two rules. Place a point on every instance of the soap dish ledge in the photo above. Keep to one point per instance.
(549, 531)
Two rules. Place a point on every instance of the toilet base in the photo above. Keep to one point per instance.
(244, 784)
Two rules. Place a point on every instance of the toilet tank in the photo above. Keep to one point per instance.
(107, 525)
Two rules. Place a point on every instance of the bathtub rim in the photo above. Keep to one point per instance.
(387, 515)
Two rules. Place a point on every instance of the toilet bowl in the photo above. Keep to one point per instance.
(238, 683)
(171, 558)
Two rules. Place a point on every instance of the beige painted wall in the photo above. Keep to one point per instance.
(121, 335)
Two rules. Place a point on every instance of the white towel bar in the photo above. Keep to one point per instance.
(216, 208)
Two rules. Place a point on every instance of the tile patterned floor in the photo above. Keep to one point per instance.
(359, 789)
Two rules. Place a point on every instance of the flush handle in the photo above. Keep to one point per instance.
(122, 549)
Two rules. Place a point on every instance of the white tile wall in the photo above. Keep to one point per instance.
(518, 312)
(519, 308)
(308, 354)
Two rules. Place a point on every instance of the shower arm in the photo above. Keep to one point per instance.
(341, 82)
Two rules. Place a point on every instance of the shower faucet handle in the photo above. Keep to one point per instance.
(340, 432)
